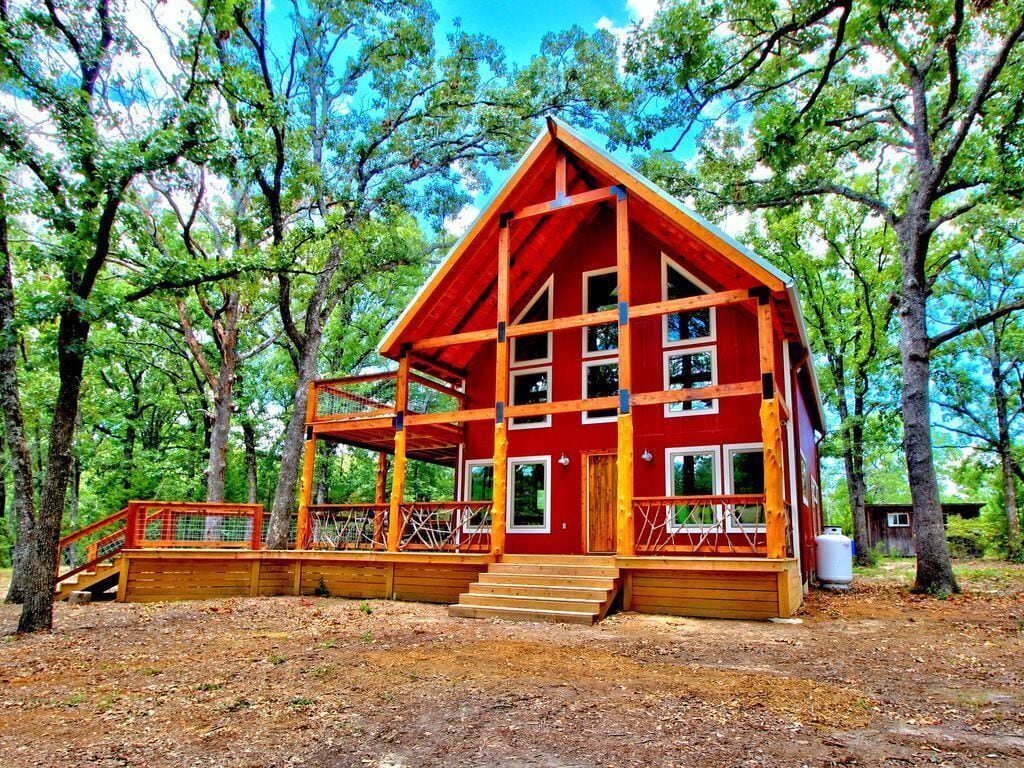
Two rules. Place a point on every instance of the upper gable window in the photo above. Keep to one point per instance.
(537, 348)
(600, 293)
(684, 327)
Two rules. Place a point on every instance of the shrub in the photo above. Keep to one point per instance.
(968, 538)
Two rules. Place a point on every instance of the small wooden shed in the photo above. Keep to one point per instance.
(892, 525)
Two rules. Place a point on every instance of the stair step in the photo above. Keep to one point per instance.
(540, 590)
(548, 580)
(555, 569)
(531, 602)
(590, 560)
(521, 614)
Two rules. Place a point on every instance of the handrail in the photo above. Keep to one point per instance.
(91, 528)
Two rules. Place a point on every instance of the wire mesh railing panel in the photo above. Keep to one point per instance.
(349, 526)
(91, 545)
(427, 399)
(445, 526)
(362, 397)
(182, 524)
(700, 525)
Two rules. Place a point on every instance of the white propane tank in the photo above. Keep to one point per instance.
(835, 559)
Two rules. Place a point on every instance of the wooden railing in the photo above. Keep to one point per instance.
(373, 397)
(348, 526)
(445, 526)
(703, 525)
(154, 524)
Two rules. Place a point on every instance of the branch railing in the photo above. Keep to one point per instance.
(152, 524)
(348, 526)
(445, 526)
(703, 525)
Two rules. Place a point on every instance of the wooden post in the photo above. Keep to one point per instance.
(131, 526)
(500, 496)
(303, 528)
(256, 542)
(398, 477)
(771, 434)
(379, 498)
(560, 175)
(625, 538)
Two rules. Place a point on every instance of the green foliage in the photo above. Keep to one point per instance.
(969, 538)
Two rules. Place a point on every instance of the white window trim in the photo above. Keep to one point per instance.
(510, 494)
(467, 487)
(676, 352)
(600, 352)
(716, 485)
(727, 451)
(549, 285)
(546, 369)
(668, 263)
(891, 516)
(587, 364)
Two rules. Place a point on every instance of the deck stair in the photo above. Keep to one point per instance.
(97, 580)
(577, 589)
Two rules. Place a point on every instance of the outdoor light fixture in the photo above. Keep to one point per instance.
(646, 455)
(564, 461)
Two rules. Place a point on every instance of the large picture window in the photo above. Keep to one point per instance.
(692, 472)
(530, 386)
(529, 494)
(600, 293)
(600, 379)
(690, 369)
(684, 327)
(480, 487)
(745, 475)
(534, 349)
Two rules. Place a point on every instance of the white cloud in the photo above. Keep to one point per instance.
(458, 224)
(642, 10)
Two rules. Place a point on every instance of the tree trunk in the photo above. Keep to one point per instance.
(223, 405)
(934, 567)
(41, 564)
(1004, 445)
(249, 438)
(23, 505)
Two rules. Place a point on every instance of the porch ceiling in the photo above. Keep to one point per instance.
(435, 443)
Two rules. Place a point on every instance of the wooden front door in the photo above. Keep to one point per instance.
(602, 485)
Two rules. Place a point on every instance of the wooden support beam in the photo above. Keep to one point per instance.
(401, 435)
(467, 337)
(302, 528)
(380, 491)
(501, 361)
(625, 539)
(712, 392)
(560, 174)
(771, 434)
(704, 301)
(566, 203)
(450, 417)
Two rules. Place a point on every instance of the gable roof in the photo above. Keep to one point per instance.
(459, 295)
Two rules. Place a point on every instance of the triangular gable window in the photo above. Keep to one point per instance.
(534, 349)
(685, 327)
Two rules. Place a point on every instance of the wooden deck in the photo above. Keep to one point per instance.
(739, 588)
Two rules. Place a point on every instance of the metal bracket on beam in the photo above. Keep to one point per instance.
(505, 218)
(399, 421)
(623, 313)
(499, 412)
(767, 386)
(623, 401)
(620, 193)
(309, 434)
(501, 331)
(761, 293)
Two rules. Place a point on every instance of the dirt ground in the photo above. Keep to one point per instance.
(876, 677)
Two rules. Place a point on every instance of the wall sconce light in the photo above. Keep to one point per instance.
(646, 455)
(564, 460)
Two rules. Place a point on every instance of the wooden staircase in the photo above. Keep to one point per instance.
(97, 580)
(577, 589)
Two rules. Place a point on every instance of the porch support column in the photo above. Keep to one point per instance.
(771, 432)
(398, 477)
(625, 539)
(303, 529)
(500, 495)
(379, 498)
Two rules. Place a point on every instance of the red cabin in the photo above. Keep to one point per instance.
(625, 395)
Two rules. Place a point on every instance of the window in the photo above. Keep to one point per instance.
(529, 482)
(684, 327)
(534, 349)
(692, 472)
(690, 369)
(480, 487)
(600, 292)
(899, 519)
(600, 379)
(745, 475)
(529, 386)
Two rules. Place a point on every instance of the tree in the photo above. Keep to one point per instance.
(93, 127)
(838, 255)
(793, 99)
(981, 375)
